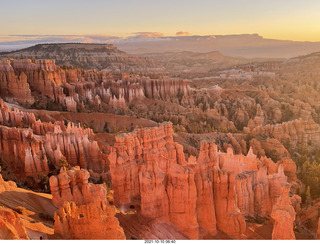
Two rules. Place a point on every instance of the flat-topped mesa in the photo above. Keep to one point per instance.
(296, 131)
(93, 221)
(72, 185)
(23, 152)
(284, 215)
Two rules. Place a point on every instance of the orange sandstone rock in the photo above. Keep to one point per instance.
(284, 215)
(229, 218)
(95, 220)
(11, 227)
(72, 185)
(318, 230)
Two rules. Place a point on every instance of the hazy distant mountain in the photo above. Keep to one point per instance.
(108, 57)
(246, 45)
(87, 56)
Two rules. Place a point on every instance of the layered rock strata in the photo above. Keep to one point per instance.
(292, 132)
(95, 220)
(72, 186)
(30, 146)
(11, 227)
(74, 89)
(212, 191)
(284, 215)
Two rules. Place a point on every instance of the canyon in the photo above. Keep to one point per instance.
(149, 156)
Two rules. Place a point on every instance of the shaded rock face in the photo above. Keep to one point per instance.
(229, 218)
(292, 132)
(23, 152)
(14, 86)
(77, 89)
(318, 230)
(95, 220)
(30, 146)
(212, 191)
(74, 145)
(6, 185)
(89, 56)
(11, 227)
(284, 215)
(72, 186)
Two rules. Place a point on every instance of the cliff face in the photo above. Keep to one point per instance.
(88, 56)
(30, 146)
(94, 221)
(284, 215)
(23, 152)
(11, 227)
(318, 230)
(76, 89)
(14, 87)
(72, 186)
(212, 191)
(292, 132)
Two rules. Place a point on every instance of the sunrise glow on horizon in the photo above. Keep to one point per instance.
(286, 20)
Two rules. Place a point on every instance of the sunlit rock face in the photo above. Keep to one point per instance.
(93, 221)
(213, 191)
(284, 215)
(77, 90)
(11, 227)
(30, 146)
(72, 186)
(296, 131)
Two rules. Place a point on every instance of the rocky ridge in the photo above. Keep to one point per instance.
(95, 220)
(247, 184)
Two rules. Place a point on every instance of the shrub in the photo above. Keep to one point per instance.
(21, 210)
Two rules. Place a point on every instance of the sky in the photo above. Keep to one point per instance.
(297, 20)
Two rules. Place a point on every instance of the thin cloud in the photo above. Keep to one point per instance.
(147, 34)
(182, 33)
(21, 41)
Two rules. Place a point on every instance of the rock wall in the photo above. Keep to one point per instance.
(212, 191)
(72, 186)
(14, 86)
(77, 89)
(6, 185)
(23, 152)
(284, 215)
(95, 220)
(292, 132)
(318, 230)
(30, 146)
(11, 227)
